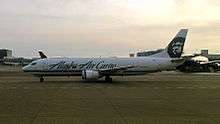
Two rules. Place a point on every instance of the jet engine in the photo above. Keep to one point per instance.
(90, 75)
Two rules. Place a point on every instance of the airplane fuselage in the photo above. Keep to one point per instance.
(75, 66)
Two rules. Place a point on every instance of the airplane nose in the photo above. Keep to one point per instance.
(25, 68)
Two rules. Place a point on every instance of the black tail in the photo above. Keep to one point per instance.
(175, 48)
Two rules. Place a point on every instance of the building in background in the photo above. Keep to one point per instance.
(5, 53)
(211, 57)
(6, 58)
(17, 61)
(148, 53)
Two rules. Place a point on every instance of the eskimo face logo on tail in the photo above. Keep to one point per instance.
(175, 48)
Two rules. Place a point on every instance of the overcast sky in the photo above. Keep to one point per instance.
(92, 28)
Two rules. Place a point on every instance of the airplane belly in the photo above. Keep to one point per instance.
(56, 73)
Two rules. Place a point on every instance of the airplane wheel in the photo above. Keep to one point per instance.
(41, 79)
(108, 79)
(211, 69)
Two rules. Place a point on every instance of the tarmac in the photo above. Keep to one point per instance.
(159, 98)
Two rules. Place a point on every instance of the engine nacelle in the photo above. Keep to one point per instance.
(90, 75)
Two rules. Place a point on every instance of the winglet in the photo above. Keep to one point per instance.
(42, 55)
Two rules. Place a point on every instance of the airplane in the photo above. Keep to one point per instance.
(198, 63)
(96, 68)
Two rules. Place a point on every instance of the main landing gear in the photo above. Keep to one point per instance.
(41, 79)
(108, 79)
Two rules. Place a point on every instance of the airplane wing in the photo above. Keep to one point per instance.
(211, 62)
(115, 69)
(191, 56)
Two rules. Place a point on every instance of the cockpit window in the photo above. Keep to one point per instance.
(34, 63)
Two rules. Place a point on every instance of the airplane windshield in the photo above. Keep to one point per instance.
(34, 63)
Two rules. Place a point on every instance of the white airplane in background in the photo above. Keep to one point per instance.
(96, 68)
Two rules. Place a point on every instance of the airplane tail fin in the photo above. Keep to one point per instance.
(175, 47)
(42, 55)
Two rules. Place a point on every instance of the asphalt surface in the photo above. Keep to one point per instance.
(161, 98)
